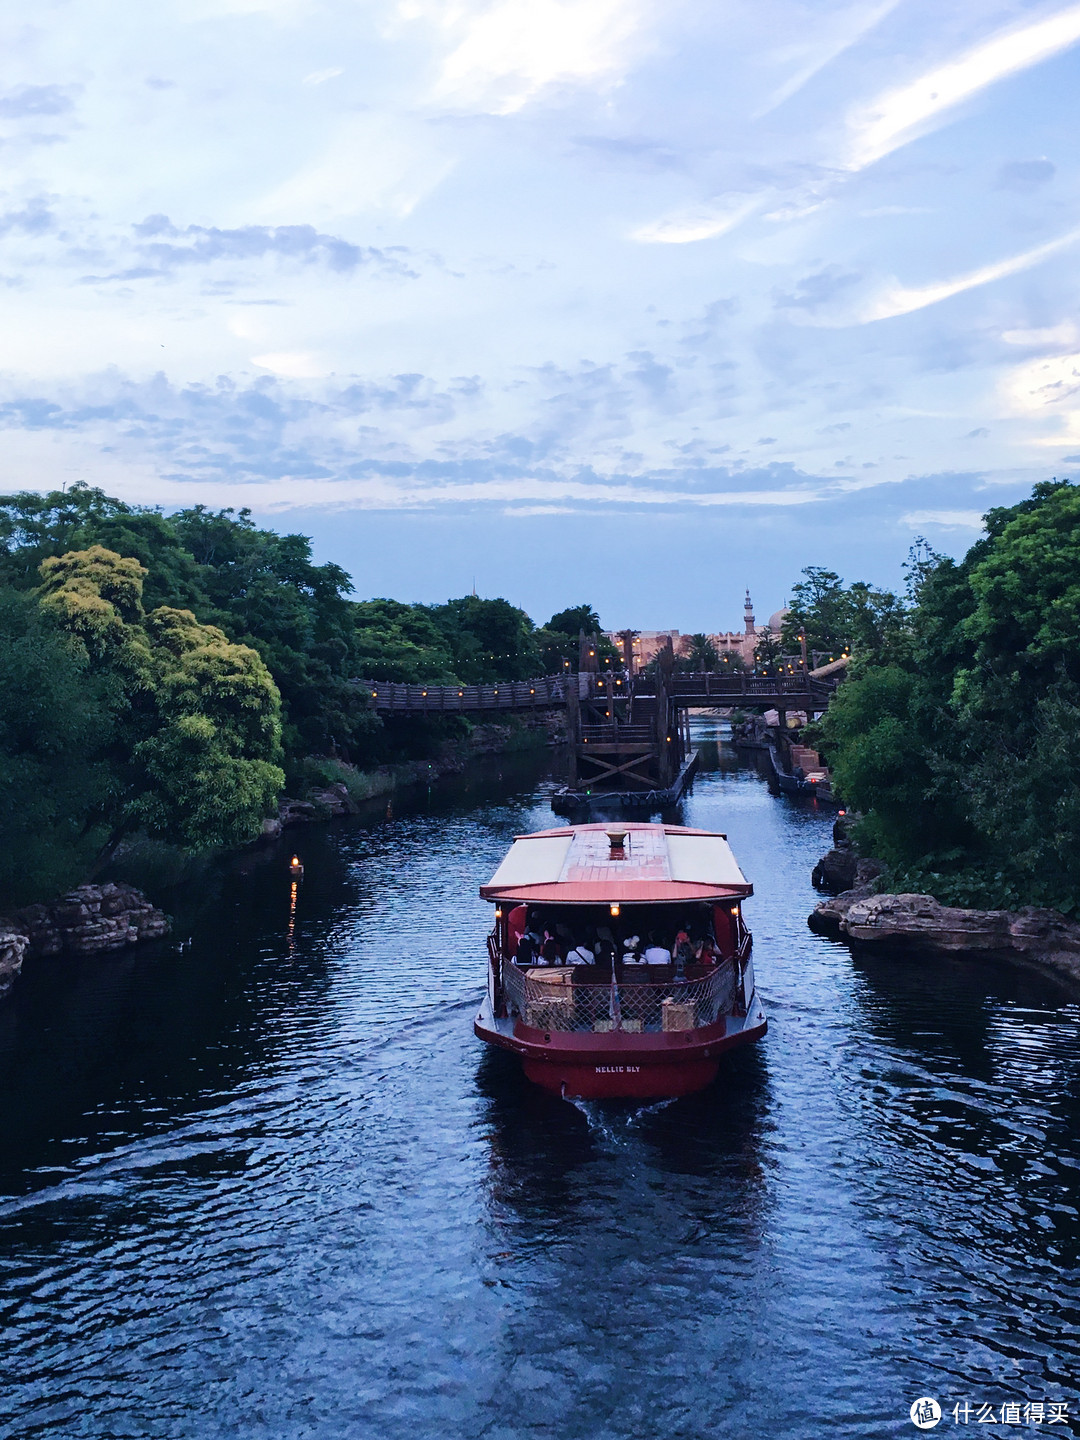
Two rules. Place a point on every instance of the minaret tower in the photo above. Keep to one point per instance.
(748, 616)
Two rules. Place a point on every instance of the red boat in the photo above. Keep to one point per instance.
(620, 962)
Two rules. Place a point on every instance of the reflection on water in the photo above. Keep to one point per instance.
(262, 1180)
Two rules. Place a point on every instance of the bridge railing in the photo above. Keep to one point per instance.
(550, 690)
(539, 694)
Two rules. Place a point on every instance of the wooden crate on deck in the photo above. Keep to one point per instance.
(677, 1014)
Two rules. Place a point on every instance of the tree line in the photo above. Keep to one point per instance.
(956, 735)
(168, 675)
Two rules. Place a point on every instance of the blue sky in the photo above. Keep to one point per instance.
(614, 300)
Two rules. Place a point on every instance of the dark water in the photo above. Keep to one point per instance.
(269, 1185)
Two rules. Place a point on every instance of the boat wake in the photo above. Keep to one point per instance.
(615, 1120)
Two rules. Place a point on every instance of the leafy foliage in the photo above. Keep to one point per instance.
(196, 718)
(839, 619)
(956, 737)
(174, 664)
(55, 724)
(699, 653)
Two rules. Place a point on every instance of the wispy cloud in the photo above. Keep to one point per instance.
(851, 29)
(943, 519)
(901, 115)
(898, 299)
(705, 222)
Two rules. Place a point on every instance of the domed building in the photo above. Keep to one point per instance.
(776, 620)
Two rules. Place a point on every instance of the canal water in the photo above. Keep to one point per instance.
(261, 1180)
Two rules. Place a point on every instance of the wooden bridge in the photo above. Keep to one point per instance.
(797, 691)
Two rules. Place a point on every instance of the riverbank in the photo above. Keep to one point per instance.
(919, 925)
(342, 789)
(109, 917)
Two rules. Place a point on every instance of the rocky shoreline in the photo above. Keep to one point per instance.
(919, 925)
(88, 920)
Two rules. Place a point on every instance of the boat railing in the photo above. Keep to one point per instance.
(560, 1001)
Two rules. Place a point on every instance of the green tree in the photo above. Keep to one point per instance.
(488, 639)
(575, 620)
(265, 591)
(194, 748)
(699, 652)
(55, 725)
(838, 619)
(959, 750)
(395, 641)
(767, 653)
(34, 527)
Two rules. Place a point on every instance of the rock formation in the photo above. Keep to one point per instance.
(842, 869)
(920, 924)
(12, 949)
(85, 921)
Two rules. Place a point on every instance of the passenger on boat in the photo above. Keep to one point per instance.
(580, 955)
(549, 949)
(707, 954)
(682, 953)
(655, 953)
(604, 951)
(526, 951)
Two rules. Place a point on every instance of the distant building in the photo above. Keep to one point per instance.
(646, 643)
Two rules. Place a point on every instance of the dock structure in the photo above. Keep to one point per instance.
(629, 744)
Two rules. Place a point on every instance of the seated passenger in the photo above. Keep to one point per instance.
(549, 949)
(526, 951)
(632, 951)
(707, 953)
(580, 955)
(682, 953)
(655, 953)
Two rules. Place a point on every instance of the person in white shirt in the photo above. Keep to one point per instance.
(656, 954)
(580, 955)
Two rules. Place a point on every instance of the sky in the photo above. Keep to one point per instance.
(616, 301)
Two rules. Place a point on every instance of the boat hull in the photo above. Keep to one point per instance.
(622, 1066)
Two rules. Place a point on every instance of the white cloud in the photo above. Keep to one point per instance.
(897, 299)
(703, 223)
(319, 77)
(1048, 381)
(903, 114)
(505, 54)
(389, 492)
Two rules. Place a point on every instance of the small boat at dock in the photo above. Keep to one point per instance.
(619, 961)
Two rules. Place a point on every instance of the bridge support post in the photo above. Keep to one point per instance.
(573, 728)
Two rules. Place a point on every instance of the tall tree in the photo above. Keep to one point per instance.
(55, 727)
(196, 738)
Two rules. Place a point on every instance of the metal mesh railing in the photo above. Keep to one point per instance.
(559, 1001)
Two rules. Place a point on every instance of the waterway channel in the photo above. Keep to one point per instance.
(262, 1181)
